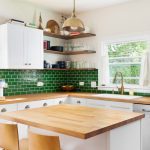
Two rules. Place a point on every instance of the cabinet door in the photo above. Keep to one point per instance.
(33, 47)
(29, 105)
(77, 101)
(98, 103)
(3, 47)
(46, 103)
(58, 101)
(121, 106)
(15, 44)
(7, 108)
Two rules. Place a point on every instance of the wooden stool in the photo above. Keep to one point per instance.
(9, 137)
(9, 140)
(42, 142)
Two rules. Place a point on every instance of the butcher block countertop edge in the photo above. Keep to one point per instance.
(47, 96)
(68, 121)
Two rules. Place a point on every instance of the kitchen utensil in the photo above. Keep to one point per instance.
(55, 66)
(57, 48)
(68, 64)
(46, 64)
(68, 88)
(53, 26)
(62, 64)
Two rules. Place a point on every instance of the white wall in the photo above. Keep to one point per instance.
(30, 14)
(126, 19)
(121, 20)
(25, 11)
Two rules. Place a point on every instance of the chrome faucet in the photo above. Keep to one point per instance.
(121, 89)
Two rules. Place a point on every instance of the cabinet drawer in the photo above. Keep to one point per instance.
(98, 103)
(29, 105)
(121, 106)
(60, 101)
(8, 108)
(45, 103)
(77, 101)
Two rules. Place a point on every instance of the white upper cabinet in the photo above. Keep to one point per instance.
(14, 46)
(33, 48)
(20, 47)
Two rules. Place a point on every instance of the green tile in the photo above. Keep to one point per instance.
(24, 81)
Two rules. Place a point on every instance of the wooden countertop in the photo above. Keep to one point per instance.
(73, 120)
(31, 97)
(141, 100)
(36, 97)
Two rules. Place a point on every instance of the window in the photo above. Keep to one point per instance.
(126, 58)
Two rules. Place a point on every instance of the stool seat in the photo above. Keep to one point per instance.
(9, 140)
(43, 142)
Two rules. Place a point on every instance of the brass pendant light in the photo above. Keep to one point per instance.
(73, 24)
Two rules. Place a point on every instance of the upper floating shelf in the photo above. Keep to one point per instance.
(70, 52)
(69, 37)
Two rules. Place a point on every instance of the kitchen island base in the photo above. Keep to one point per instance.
(127, 137)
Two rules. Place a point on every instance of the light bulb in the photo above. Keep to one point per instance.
(74, 28)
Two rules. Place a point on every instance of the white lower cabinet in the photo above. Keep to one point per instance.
(50, 102)
(98, 103)
(29, 105)
(45, 103)
(121, 106)
(63, 100)
(7, 108)
(109, 104)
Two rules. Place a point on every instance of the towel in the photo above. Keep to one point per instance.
(145, 70)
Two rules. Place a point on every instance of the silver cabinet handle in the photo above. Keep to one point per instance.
(78, 102)
(45, 104)
(26, 64)
(144, 110)
(27, 107)
(3, 110)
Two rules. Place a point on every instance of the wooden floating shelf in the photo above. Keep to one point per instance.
(69, 37)
(71, 69)
(70, 52)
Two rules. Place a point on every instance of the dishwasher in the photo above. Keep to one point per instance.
(145, 124)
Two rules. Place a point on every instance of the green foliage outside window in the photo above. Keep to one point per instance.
(126, 58)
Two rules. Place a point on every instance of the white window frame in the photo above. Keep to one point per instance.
(122, 39)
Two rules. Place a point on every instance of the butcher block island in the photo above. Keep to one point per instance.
(83, 128)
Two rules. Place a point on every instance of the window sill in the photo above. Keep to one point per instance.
(127, 88)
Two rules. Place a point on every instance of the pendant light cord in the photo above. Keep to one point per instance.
(74, 9)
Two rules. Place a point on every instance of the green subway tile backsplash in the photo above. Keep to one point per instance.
(86, 76)
(25, 81)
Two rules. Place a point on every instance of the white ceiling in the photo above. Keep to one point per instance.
(65, 6)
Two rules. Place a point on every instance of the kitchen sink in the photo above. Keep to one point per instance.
(126, 97)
